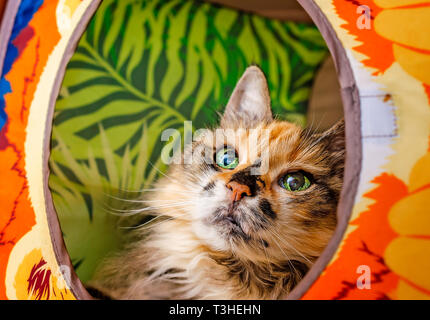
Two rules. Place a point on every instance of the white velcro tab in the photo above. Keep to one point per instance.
(378, 118)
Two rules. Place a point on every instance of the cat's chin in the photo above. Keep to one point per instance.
(221, 233)
(210, 237)
(229, 227)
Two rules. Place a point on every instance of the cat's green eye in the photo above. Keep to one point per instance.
(226, 158)
(295, 181)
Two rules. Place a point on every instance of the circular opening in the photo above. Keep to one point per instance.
(108, 111)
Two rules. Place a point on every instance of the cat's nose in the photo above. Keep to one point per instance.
(238, 190)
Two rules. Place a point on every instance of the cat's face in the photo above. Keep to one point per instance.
(271, 189)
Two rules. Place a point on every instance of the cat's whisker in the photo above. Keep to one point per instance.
(316, 128)
(300, 216)
(163, 206)
(161, 189)
(142, 201)
(289, 245)
(286, 255)
(306, 140)
(136, 227)
(303, 217)
(296, 230)
(265, 253)
(162, 173)
(321, 121)
(149, 225)
(312, 123)
(122, 212)
(175, 191)
(306, 143)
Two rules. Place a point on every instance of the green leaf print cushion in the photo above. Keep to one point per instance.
(146, 65)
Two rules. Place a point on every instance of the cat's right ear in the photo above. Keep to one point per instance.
(334, 137)
(249, 103)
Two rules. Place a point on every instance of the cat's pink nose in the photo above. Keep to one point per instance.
(238, 190)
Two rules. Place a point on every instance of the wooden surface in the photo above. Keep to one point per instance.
(278, 9)
(325, 107)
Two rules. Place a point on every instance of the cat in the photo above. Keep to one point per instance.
(224, 229)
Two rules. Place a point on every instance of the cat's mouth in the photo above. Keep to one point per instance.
(229, 224)
(233, 224)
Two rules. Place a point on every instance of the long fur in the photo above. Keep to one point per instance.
(189, 251)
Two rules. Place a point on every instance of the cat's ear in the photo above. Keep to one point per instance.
(249, 103)
(334, 138)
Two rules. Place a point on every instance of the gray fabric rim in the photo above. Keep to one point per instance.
(352, 112)
(61, 254)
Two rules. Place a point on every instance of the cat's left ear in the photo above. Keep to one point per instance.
(249, 103)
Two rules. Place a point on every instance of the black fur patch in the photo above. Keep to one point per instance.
(209, 186)
(298, 267)
(320, 213)
(214, 167)
(97, 294)
(266, 208)
(264, 277)
(244, 177)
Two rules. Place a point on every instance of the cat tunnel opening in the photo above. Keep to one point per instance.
(351, 105)
(350, 100)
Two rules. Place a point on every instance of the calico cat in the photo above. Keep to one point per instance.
(225, 229)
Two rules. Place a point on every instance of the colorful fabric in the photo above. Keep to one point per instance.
(28, 268)
(387, 235)
(25, 14)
